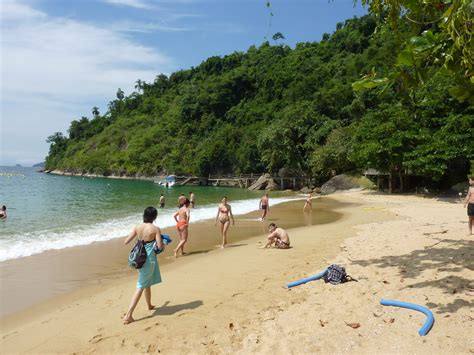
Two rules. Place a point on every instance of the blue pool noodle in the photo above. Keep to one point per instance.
(429, 315)
(308, 279)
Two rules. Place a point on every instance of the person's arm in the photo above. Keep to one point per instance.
(468, 196)
(217, 215)
(188, 215)
(260, 204)
(175, 215)
(159, 241)
(231, 214)
(274, 235)
(131, 236)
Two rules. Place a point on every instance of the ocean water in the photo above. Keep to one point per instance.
(48, 212)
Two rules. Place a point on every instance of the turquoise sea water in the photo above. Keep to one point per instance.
(54, 212)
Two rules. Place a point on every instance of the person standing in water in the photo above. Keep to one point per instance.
(264, 205)
(224, 214)
(162, 201)
(149, 274)
(308, 203)
(181, 217)
(469, 202)
(192, 199)
(3, 212)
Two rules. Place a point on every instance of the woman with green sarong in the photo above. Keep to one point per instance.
(149, 274)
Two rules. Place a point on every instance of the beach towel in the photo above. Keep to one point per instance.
(149, 274)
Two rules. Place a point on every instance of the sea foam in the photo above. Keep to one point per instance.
(27, 244)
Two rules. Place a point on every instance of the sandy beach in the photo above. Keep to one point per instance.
(405, 248)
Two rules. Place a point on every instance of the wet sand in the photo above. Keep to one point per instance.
(235, 300)
(31, 280)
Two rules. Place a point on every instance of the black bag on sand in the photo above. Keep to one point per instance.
(336, 274)
(137, 256)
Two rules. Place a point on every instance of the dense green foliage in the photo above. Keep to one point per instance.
(431, 34)
(275, 107)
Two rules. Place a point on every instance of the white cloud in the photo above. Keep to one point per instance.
(131, 3)
(11, 10)
(129, 26)
(54, 70)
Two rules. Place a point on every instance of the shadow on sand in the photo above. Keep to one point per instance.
(446, 255)
(166, 310)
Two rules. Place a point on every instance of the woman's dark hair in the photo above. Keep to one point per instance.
(186, 203)
(4, 208)
(272, 225)
(149, 215)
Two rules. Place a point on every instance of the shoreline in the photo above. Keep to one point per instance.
(86, 265)
(234, 300)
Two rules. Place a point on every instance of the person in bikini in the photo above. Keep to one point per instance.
(469, 202)
(264, 205)
(181, 217)
(192, 199)
(224, 214)
(278, 236)
(308, 203)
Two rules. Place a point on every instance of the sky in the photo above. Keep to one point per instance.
(60, 58)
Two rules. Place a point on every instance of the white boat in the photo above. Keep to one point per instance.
(168, 181)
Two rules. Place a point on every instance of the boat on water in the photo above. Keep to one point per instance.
(167, 181)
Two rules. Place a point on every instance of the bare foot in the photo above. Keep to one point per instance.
(175, 253)
(223, 246)
(128, 320)
(150, 307)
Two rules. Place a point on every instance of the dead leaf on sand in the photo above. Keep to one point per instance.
(353, 325)
(231, 326)
(391, 320)
(386, 282)
(323, 323)
(376, 315)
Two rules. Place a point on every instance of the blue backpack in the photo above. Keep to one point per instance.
(336, 274)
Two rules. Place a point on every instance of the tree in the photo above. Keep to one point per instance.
(95, 111)
(440, 35)
(120, 94)
(278, 36)
(139, 85)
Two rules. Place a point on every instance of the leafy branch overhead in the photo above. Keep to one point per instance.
(431, 33)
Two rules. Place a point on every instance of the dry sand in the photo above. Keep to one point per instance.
(235, 300)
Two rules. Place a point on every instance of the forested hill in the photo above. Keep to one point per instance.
(276, 107)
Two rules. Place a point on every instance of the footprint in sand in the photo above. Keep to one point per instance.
(151, 348)
(147, 328)
(7, 335)
(96, 338)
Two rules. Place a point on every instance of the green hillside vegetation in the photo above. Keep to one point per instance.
(276, 107)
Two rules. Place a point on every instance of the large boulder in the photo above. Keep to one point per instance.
(261, 183)
(271, 185)
(345, 182)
